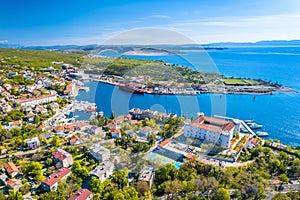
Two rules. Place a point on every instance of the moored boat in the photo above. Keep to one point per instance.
(262, 134)
(247, 121)
(255, 126)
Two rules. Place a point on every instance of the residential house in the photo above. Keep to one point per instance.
(51, 183)
(82, 194)
(70, 89)
(42, 127)
(30, 116)
(251, 143)
(14, 184)
(115, 133)
(5, 107)
(11, 169)
(112, 125)
(99, 153)
(212, 130)
(74, 139)
(145, 131)
(62, 157)
(41, 110)
(103, 171)
(147, 175)
(3, 178)
(15, 124)
(33, 142)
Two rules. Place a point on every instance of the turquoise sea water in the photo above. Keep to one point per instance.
(279, 113)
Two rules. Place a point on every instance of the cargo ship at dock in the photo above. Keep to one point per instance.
(131, 89)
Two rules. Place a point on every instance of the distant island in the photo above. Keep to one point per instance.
(140, 76)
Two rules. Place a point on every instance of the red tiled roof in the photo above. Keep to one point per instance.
(165, 142)
(207, 127)
(60, 154)
(112, 124)
(31, 114)
(23, 100)
(189, 155)
(146, 128)
(253, 141)
(55, 177)
(42, 126)
(134, 122)
(212, 124)
(14, 182)
(115, 130)
(74, 138)
(10, 167)
(17, 122)
(82, 194)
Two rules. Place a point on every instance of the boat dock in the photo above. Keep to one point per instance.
(242, 122)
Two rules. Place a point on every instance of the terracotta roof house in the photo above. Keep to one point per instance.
(14, 184)
(63, 157)
(11, 169)
(165, 142)
(82, 194)
(115, 133)
(74, 139)
(212, 130)
(51, 183)
(251, 143)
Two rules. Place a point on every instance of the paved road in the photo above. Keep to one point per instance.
(286, 188)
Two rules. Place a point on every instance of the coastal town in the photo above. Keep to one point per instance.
(46, 153)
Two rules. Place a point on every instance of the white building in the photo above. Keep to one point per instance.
(47, 98)
(99, 153)
(147, 175)
(212, 130)
(33, 142)
(103, 171)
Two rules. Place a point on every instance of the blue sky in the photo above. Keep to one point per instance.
(34, 22)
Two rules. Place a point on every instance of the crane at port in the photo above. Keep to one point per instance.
(147, 79)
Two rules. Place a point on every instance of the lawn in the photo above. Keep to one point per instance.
(235, 81)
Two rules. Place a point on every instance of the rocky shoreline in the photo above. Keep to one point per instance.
(222, 89)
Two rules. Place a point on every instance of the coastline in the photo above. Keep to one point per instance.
(185, 92)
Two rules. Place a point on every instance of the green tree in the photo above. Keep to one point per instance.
(14, 195)
(56, 141)
(142, 187)
(166, 172)
(281, 196)
(96, 185)
(172, 188)
(283, 178)
(221, 194)
(120, 178)
(80, 170)
(34, 169)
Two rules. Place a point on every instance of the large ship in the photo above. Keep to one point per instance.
(131, 89)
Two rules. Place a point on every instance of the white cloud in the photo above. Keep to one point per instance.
(237, 29)
(160, 16)
(3, 41)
